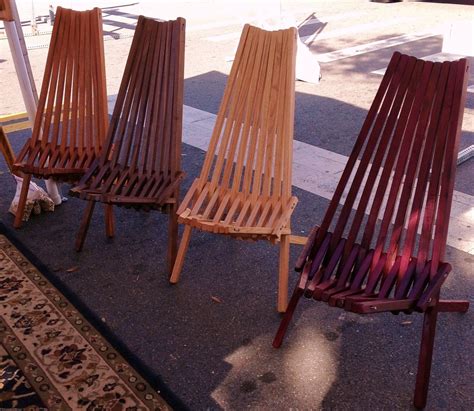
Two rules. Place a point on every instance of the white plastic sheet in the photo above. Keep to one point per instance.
(37, 200)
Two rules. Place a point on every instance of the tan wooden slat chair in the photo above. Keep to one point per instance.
(71, 120)
(244, 189)
(140, 162)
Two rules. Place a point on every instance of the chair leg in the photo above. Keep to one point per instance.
(109, 220)
(426, 354)
(285, 322)
(283, 273)
(183, 246)
(86, 219)
(172, 237)
(25, 185)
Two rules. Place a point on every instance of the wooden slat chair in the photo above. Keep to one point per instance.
(140, 162)
(244, 189)
(71, 120)
(401, 171)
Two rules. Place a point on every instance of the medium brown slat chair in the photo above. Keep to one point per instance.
(71, 120)
(140, 162)
(244, 189)
(407, 149)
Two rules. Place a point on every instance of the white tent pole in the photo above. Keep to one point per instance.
(23, 71)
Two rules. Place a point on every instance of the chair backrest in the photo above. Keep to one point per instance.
(402, 170)
(5, 10)
(72, 108)
(145, 129)
(6, 150)
(251, 145)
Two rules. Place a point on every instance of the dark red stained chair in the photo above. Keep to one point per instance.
(139, 165)
(407, 149)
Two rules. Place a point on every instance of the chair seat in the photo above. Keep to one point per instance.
(353, 282)
(46, 161)
(221, 210)
(121, 186)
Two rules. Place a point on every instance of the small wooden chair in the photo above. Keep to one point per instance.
(140, 162)
(71, 120)
(401, 170)
(244, 189)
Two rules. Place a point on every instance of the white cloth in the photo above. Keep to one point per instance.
(37, 200)
(271, 17)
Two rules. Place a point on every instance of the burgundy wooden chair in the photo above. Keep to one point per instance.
(71, 120)
(401, 173)
(140, 163)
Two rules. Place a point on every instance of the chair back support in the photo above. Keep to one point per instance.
(72, 108)
(145, 129)
(251, 145)
(5, 11)
(6, 150)
(401, 174)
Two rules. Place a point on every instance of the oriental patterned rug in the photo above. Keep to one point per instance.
(51, 357)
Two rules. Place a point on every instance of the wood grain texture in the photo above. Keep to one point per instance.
(244, 189)
(6, 150)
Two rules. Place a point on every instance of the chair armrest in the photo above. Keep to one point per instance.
(434, 286)
(300, 262)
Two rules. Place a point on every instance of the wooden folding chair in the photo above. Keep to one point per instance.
(140, 162)
(71, 120)
(244, 189)
(401, 173)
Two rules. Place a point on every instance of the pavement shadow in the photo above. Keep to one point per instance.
(108, 14)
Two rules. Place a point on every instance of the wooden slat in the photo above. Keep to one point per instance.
(361, 139)
(6, 150)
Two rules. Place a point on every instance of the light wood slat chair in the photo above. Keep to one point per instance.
(71, 120)
(244, 189)
(140, 162)
(407, 149)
